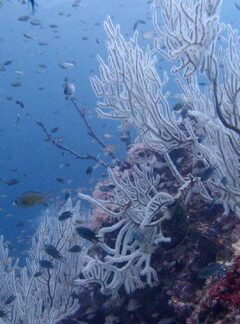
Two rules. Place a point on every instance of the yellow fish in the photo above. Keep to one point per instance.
(30, 199)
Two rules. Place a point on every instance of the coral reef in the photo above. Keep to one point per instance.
(167, 217)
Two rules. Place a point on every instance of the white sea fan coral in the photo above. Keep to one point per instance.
(44, 295)
(140, 211)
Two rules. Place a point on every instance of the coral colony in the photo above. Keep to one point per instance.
(186, 156)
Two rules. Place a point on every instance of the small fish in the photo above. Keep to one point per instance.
(10, 182)
(84, 38)
(20, 103)
(108, 135)
(46, 264)
(2, 68)
(207, 173)
(69, 90)
(19, 72)
(20, 224)
(2, 314)
(224, 181)
(53, 252)
(54, 130)
(67, 195)
(65, 215)
(66, 65)
(138, 22)
(7, 63)
(24, 18)
(35, 22)
(42, 66)
(97, 41)
(37, 274)
(16, 84)
(60, 180)
(29, 199)
(212, 269)
(87, 234)
(43, 43)
(10, 299)
(75, 249)
(107, 188)
(28, 36)
(89, 170)
(53, 26)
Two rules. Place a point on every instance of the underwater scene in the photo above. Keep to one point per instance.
(119, 162)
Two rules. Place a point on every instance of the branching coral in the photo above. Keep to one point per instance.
(44, 293)
(141, 210)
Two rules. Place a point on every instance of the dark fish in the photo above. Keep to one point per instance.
(10, 299)
(97, 41)
(107, 188)
(2, 314)
(65, 215)
(37, 274)
(43, 43)
(53, 26)
(201, 138)
(24, 18)
(125, 139)
(10, 182)
(7, 63)
(60, 180)
(20, 224)
(212, 269)
(54, 130)
(138, 22)
(178, 106)
(27, 36)
(46, 264)
(16, 84)
(75, 249)
(53, 252)
(224, 181)
(87, 234)
(89, 170)
(20, 103)
(84, 38)
(207, 173)
(42, 66)
(67, 195)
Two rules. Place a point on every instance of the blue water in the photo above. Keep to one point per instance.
(24, 153)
